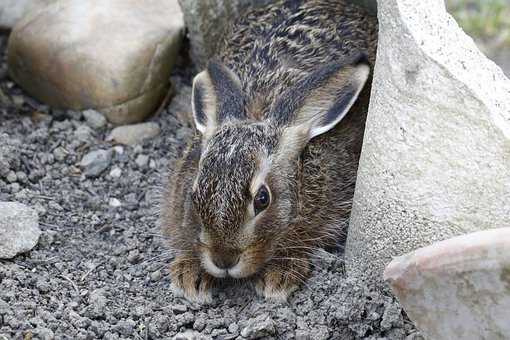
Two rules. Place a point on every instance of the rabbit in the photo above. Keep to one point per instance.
(267, 179)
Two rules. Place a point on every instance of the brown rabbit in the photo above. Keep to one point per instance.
(269, 176)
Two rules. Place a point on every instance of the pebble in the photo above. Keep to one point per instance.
(83, 133)
(156, 276)
(95, 162)
(116, 172)
(11, 177)
(114, 203)
(21, 176)
(258, 327)
(179, 308)
(134, 134)
(133, 256)
(142, 161)
(60, 153)
(19, 228)
(94, 119)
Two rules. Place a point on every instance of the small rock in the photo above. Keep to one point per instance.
(190, 335)
(133, 256)
(116, 172)
(15, 187)
(95, 162)
(152, 164)
(155, 276)
(94, 119)
(179, 308)
(259, 327)
(134, 134)
(44, 333)
(11, 177)
(114, 203)
(142, 161)
(21, 176)
(83, 133)
(97, 303)
(74, 115)
(19, 229)
(60, 153)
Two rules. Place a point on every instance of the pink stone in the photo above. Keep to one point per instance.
(458, 288)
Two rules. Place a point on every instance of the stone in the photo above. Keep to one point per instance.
(142, 161)
(116, 172)
(434, 162)
(116, 64)
(11, 11)
(208, 21)
(94, 119)
(258, 327)
(19, 229)
(134, 134)
(95, 162)
(115, 203)
(458, 288)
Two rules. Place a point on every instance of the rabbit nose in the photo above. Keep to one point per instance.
(226, 262)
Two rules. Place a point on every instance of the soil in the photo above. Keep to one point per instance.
(100, 268)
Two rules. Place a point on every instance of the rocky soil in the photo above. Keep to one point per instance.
(99, 269)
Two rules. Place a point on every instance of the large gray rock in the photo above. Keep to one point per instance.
(207, 22)
(435, 159)
(458, 288)
(114, 56)
(13, 10)
(19, 229)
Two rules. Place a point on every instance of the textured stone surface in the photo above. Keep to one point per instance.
(458, 288)
(13, 10)
(208, 20)
(117, 64)
(134, 134)
(19, 229)
(436, 154)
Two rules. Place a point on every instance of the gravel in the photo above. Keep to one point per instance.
(100, 268)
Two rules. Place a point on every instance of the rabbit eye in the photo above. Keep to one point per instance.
(261, 200)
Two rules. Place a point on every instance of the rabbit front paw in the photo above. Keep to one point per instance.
(277, 283)
(190, 281)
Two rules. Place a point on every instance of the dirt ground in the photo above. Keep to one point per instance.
(100, 270)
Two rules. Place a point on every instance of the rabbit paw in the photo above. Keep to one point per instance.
(190, 281)
(276, 284)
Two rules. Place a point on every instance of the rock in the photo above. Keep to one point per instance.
(134, 134)
(435, 154)
(115, 203)
(94, 119)
(261, 326)
(190, 335)
(116, 172)
(97, 303)
(458, 288)
(117, 64)
(142, 161)
(11, 11)
(155, 276)
(179, 308)
(95, 162)
(208, 21)
(19, 229)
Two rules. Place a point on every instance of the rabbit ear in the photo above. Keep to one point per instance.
(216, 97)
(321, 101)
